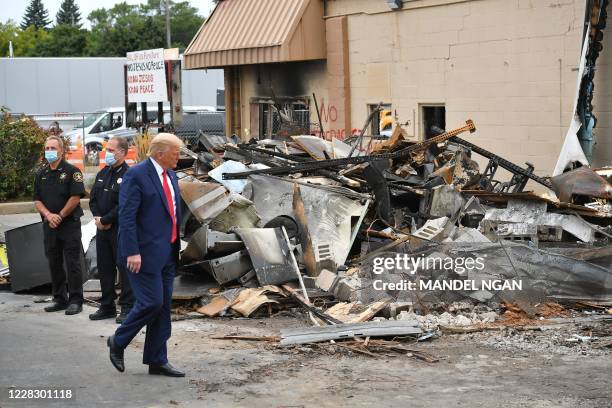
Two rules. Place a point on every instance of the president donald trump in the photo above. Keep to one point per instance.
(148, 245)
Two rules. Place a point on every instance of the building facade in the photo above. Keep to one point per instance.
(509, 65)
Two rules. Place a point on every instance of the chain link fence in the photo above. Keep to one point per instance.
(277, 120)
(69, 123)
(209, 123)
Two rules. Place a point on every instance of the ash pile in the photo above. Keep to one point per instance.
(375, 229)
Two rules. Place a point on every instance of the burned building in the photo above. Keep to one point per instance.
(511, 66)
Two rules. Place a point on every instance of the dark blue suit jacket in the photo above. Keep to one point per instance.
(145, 225)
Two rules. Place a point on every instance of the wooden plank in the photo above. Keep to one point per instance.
(356, 349)
(216, 306)
(250, 299)
(396, 137)
(371, 311)
(247, 338)
(308, 306)
(342, 311)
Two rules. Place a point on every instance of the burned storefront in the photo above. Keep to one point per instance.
(274, 56)
(314, 67)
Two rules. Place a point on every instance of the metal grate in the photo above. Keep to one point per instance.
(281, 120)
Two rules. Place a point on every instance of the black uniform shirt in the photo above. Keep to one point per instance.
(104, 199)
(55, 187)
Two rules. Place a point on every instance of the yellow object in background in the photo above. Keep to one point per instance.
(386, 122)
(142, 141)
(3, 257)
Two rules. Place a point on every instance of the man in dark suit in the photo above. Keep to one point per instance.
(148, 246)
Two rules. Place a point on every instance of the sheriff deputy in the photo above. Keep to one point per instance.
(58, 189)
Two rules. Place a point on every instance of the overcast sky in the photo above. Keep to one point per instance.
(15, 9)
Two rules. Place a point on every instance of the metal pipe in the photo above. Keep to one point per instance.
(365, 126)
(299, 275)
(314, 97)
(168, 38)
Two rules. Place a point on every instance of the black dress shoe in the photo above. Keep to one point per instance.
(74, 308)
(56, 307)
(102, 313)
(116, 354)
(122, 316)
(165, 369)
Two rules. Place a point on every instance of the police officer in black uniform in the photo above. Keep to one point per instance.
(104, 205)
(58, 189)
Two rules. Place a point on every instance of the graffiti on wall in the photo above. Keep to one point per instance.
(332, 128)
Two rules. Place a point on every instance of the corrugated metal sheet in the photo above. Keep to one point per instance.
(251, 31)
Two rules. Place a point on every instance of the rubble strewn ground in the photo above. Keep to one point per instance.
(261, 374)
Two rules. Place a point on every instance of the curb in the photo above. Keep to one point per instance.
(24, 207)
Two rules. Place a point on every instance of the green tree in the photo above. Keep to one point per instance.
(26, 41)
(121, 29)
(184, 23)
(69, 14)
(21, 146)
(63, 41)
(36, 15)
(8, 32)
(184, 19)
(101, 26)
(126, 27)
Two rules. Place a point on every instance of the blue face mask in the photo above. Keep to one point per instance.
(109, 158)
(51, 155)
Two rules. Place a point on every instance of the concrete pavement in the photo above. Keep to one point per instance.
(53, 351)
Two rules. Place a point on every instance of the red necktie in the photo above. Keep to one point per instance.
(170, 205)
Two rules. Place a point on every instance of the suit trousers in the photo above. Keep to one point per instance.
(64, 243)
(106, 250)
(153, 293)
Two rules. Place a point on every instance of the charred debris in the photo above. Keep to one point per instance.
(364, 236)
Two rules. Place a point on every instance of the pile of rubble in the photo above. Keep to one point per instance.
(327, 225)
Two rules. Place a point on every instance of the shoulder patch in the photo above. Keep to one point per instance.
(77, 176)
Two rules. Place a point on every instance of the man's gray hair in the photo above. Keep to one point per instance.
(122, 143)
(59, 141)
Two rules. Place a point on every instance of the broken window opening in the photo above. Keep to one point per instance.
(432, 115)
(382, 122)
(283, 117)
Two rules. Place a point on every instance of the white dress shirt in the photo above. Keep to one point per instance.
(160, 171)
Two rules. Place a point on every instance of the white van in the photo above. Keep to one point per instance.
(105, 123)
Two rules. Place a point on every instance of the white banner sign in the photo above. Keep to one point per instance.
(146, 76)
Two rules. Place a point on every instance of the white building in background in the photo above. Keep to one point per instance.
(55, 85)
